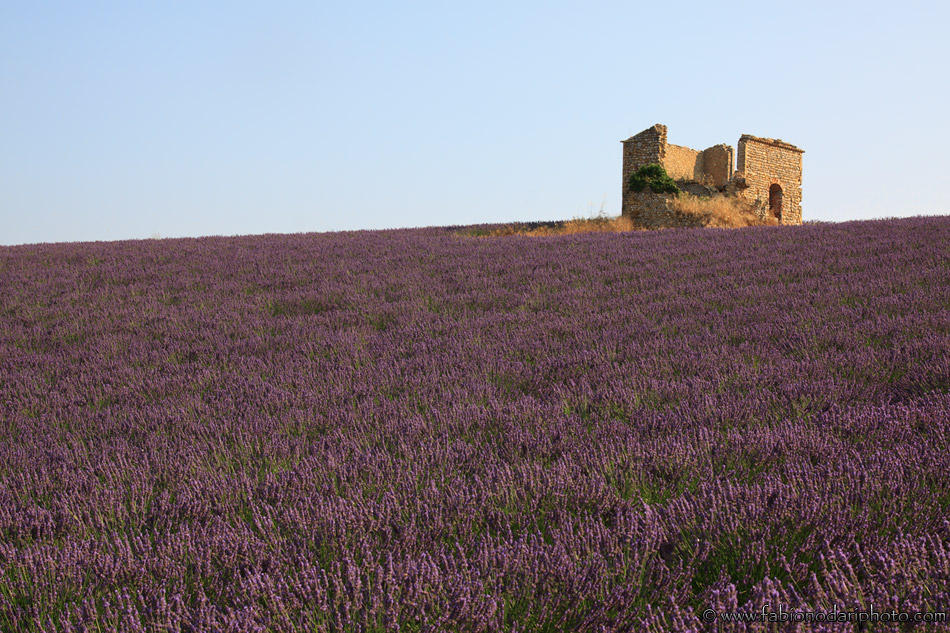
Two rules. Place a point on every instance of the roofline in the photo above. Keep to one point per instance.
(656, 127)
(774, 142)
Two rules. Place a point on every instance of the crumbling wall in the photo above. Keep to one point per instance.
(717, 164)
(683, 163)
(764, 162)
(642, 149)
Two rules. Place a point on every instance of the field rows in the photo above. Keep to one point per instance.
(354, 431)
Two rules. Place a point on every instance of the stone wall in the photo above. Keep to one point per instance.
(642, 149)
(683, 163)
(650, 210)
(765, 162)
(717, 164)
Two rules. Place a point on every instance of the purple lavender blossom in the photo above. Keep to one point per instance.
(421, 431)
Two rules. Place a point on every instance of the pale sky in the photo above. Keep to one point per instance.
(122, 120)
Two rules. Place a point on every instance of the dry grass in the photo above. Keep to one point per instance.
(722, 211)
(599, 224)
(716, 211)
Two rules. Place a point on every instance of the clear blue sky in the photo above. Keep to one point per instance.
(125, 119)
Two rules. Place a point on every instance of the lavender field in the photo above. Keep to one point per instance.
(420, 430)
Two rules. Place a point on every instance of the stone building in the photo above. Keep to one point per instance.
(768, 174)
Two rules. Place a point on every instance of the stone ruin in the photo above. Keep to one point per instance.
(768, 177)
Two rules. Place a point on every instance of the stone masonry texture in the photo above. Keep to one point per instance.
(768, 174)
(683, 163)
(765, 162)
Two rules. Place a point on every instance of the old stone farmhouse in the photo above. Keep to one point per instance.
(768, 174)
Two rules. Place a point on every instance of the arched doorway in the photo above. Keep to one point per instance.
(775, 201)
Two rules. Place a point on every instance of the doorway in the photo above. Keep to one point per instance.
(775, 202)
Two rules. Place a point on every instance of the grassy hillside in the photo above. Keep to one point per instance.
(354, 431)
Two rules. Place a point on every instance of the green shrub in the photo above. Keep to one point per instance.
(654, 177)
